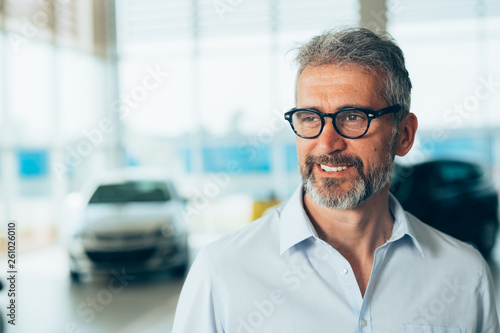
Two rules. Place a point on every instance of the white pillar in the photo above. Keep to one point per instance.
(373, 14)
(8, 160)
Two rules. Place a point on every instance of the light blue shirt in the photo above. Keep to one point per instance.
(275, 275)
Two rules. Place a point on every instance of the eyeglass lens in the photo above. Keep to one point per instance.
(350, 123)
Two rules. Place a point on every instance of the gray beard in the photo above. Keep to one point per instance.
(326, 192)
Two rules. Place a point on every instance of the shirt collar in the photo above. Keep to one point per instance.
(402, 225)
(295, 226)
(294, 223)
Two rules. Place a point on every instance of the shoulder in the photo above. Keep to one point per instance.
(439, 246)
(456, 268)
(261, 234)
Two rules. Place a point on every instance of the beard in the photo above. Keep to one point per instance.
(327, 192)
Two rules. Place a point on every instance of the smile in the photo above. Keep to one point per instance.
(333, 169)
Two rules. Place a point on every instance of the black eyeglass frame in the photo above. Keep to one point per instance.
(370, 115)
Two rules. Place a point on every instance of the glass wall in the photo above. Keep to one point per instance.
(452, 50)
(217, 116)
(198, 88)
(52, 96)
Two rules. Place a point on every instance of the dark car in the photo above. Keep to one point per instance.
(456, 197)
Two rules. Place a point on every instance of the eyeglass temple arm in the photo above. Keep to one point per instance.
(390, 109)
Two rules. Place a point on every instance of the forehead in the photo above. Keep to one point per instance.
(334, 86)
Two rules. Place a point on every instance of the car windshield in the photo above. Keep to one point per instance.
(454, 173)
(133, 191)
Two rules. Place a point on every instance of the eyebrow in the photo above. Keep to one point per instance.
(345, 106)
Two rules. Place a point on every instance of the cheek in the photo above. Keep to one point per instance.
(382, 154)
(373, 155)
(303, 149)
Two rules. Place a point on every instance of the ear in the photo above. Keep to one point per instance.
(406, 134)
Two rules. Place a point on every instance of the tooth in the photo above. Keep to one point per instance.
(332, 169)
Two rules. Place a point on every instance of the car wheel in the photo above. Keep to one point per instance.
(488, 237)
(75, 277)
(179, 271)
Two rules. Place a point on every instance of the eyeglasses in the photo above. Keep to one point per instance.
(351, 123)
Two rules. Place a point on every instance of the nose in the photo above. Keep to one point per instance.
(330, 140)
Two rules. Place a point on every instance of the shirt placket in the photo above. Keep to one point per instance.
(360, 306)
(365, 319)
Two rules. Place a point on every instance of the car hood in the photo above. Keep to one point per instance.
(129, 217)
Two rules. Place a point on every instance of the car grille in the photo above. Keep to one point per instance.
(125, 236)
(120, 256)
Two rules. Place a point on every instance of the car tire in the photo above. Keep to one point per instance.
(488, 237)
(75, 277)
(179, 271)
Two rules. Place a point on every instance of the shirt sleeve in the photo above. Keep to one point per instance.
(196, 309)
(488, 320)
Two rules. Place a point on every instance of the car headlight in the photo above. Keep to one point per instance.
(78, 236)
(76, 243)
(167, 229)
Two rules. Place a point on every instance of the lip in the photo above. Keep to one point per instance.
(333, 174)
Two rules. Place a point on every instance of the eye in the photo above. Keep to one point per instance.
(352, 120)
(306, 117)
(353, 117)
(309, 119)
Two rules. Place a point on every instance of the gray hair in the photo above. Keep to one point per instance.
(376, 52)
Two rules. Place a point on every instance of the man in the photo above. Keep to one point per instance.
(342, 255)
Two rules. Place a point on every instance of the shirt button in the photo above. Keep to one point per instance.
(363, 322)
(343, 271)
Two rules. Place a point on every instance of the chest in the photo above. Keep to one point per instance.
(324, 293)
(362, 272)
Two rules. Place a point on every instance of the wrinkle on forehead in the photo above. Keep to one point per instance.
(339, 86)
(347, 70)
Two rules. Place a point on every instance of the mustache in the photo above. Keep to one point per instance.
(332, 159)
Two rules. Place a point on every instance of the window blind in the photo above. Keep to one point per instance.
(158, 20)
(401, 11)
(63, 22)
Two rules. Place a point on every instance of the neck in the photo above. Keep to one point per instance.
(355, 232)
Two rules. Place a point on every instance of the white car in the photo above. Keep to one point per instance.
(129, 222)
